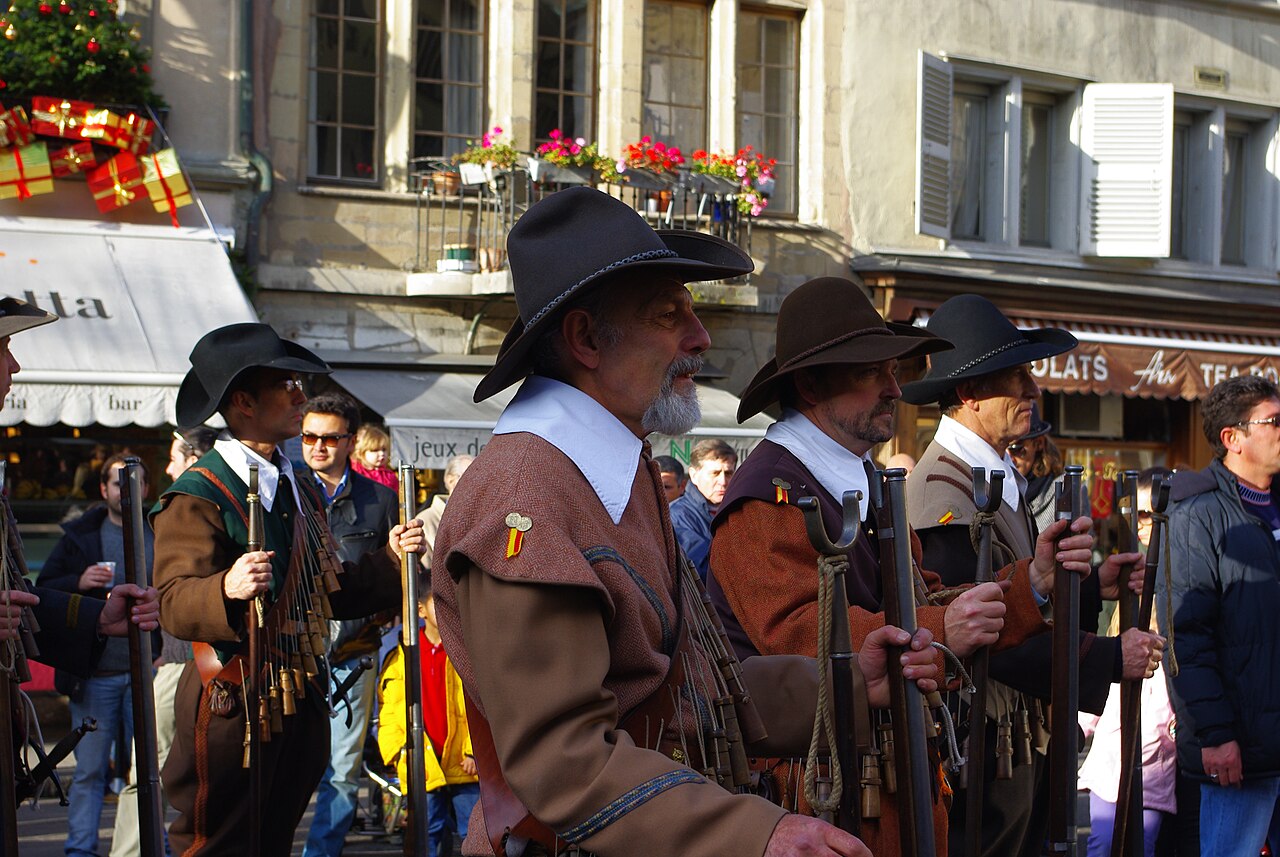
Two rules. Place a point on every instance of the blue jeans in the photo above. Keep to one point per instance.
(106, 699)
(448, 811)
(336, 794)
(1102, 822)
(1236, 821)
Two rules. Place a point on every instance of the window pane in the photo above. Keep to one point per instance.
(328, 7)
(428, 146)
(546, 114)
(360, 47)
(548, 65)
(689, 77)
(1233, 175)
(657, 26)
(577, 68)
(767, 104)
(656, 80)
(690, 128)
(656, 121)
(431, 13)
(430, 58)
(1037, 159)
(689, 30)
(465, 15)
(463, 116)
(749, 38)
(777, 41)
(429, 107)
(777, 138)
(325, 43)
(779, 90)
(549, 14)
(1178, 227)
(357, 154)
(362, 9)
(326, 147)
(359, 99)
(578, 25)
(968, 130)
(324, 96)
(464, 58)
(577, 115)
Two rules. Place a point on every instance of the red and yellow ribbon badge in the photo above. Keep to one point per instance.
(780, 489)
(946, 519)
(517, 525)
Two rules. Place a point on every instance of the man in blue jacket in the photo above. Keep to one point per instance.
(1225, 597)
(711, 466)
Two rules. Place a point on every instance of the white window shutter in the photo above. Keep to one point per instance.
(933, 147)
(1127, 175)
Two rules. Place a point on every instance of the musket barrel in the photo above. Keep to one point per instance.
(986, 499)
(1127, 832)
(915, 779)
(1063, 746)
(253, 620)
(416, 746)
(141, 679)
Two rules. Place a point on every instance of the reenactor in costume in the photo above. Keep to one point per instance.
(834, 374)
(608, 715)
(65, 630)
(985, 391)
(207, 578)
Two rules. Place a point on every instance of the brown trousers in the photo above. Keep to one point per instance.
(204, 781)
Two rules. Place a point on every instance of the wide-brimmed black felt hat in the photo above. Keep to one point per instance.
(578, 238)
(222, 355)
(830, 321)
(16, 316)
(985, 342)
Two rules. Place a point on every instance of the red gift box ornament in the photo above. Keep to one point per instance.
(116, 183)
(15, 129)
(72, 159)
(131, 133)
(58, 117)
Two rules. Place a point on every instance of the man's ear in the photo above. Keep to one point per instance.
(808, 388)
(967, 393)
(242, 403)
(582, 345)
(1228, 437)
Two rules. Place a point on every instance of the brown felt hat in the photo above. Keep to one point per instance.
(830, 321)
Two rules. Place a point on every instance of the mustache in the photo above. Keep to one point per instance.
(690, 365)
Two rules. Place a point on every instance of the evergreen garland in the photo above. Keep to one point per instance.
(77, 49)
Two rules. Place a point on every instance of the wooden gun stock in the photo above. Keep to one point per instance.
(1127, 833)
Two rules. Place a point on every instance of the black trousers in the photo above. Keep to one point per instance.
(1015, 817)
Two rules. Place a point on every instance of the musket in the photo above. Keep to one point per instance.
(840, 647)
(906, 702)
(416, 788)
(1065, 692)
(141, 676)
(1127, 834)
(986, 499)
(12, 577)
(1159, 502)
(256, 620)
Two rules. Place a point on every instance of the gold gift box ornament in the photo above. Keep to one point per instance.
(165, 183)
(25, 172)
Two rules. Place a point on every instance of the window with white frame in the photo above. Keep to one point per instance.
(345, 68)
(1178, 176)
(674, 83)
(449, 64)
(996, 160)
(769, 96)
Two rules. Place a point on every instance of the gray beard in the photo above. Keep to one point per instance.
(673, 413)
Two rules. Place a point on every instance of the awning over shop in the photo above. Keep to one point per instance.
(1149, 361)
(1152, 362)
(132, 301)
(432, 418)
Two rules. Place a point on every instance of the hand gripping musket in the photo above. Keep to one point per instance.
(1127, 834)
(416, 788)
(1063, 746)
(256, 620)
(13, 671)
(835, 642)
(906, 702)
(986, 500)
(150, 808)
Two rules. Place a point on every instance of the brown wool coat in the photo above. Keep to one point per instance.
(558, 642)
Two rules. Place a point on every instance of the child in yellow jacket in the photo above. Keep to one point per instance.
(452, 784)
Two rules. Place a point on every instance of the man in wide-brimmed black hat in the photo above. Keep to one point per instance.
(563, 600)
(834, 374)
(985, 390)
(208, 579)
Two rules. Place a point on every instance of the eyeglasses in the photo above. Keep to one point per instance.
(1274, 422)
(328, 441)
(1017, 448)
(292, 385)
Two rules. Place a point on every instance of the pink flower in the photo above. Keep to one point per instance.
(751, 198)
(575, 149)
(620, 166)
(497, 129)
(741, 171)
(581, 141)
(756, 209)
(646, 139)
(555, 134)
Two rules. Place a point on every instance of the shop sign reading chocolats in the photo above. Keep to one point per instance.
(1106, 368)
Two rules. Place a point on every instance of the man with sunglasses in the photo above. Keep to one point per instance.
(1224, 596)
(208, 581)
(361, 514)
